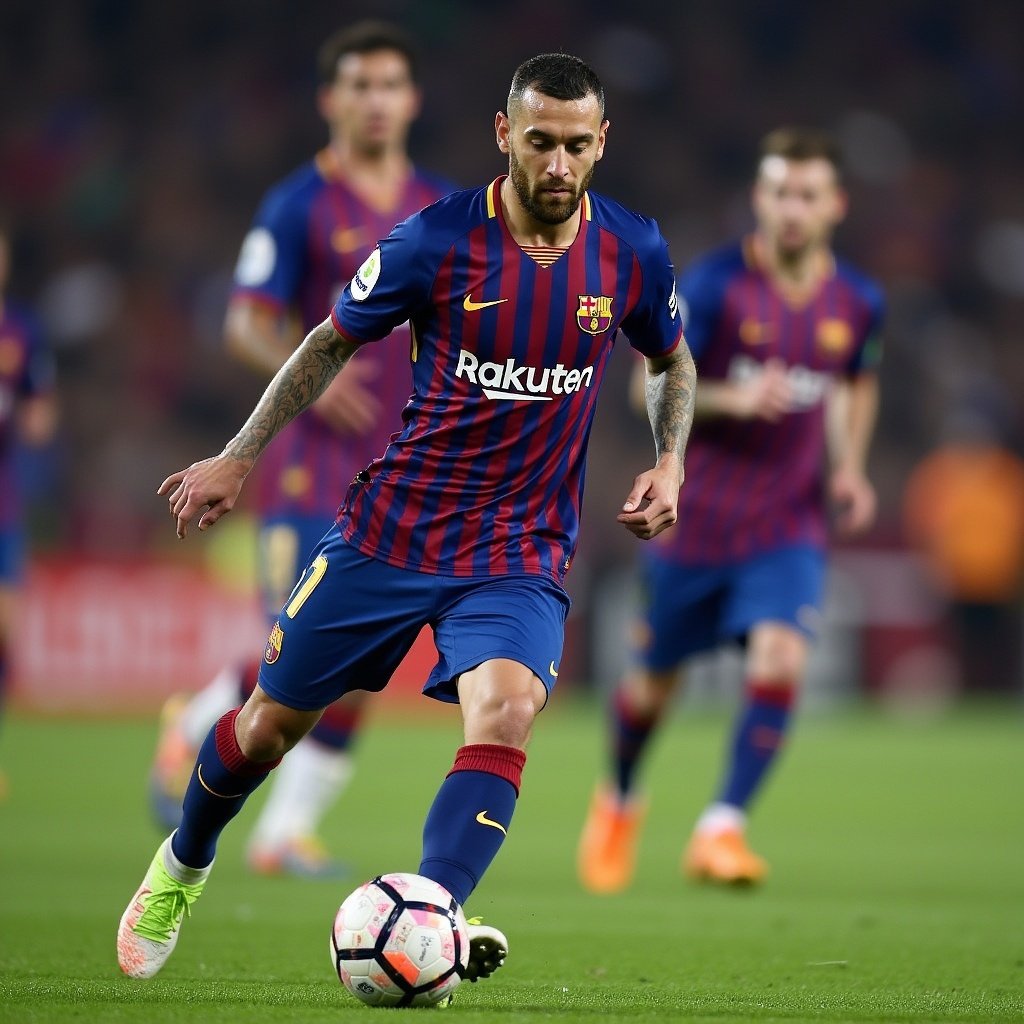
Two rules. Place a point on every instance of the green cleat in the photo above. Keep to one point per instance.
(149, 927)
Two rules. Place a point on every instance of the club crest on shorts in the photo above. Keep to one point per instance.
(274, 641)
(595, 313)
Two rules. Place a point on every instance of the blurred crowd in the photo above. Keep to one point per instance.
(139, 136)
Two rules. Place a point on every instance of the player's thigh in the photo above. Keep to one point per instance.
(774, 602)
(345, 626)
(285, 546)
(680, 614)
(518, 618)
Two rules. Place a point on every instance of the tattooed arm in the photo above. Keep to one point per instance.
(671, 385)
(214, 483)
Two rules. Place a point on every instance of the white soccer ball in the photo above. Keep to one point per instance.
(400, 940)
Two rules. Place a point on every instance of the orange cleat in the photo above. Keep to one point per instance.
(606, 857)
(723, 856)
(172, 765)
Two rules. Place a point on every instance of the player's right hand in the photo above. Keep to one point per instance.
(769, 395)
(212, 484)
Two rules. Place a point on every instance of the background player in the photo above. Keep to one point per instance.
(310, 235)
(28, 412)
(781, 331)
(516, 292)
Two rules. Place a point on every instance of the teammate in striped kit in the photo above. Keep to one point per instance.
(310, 235)
(28, 412)
(781, 330)
(469, 520)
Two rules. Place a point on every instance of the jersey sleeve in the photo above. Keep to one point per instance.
(867, 356)
(653, 325)
(389, 288)
(700, 305)
(272, 259)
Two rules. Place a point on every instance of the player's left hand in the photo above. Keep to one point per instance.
(212, 484)
(854, 500)
(651, 506)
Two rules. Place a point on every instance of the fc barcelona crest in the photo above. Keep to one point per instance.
(835, 336)
(276, 638)
(595, 313)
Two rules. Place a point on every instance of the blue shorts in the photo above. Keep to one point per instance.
(285, 545)
(351, 619)
(695, 608)
(12, 555)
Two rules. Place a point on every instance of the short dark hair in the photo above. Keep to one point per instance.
(559, 75)
(363, 37)
(797, 143)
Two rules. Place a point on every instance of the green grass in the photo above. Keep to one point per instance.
(897, 891)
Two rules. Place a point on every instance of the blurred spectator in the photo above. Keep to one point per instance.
(964, 508)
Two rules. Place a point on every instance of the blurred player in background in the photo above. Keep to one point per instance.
(310, 235)
(28, 414)
(786, 340)
(469, 521)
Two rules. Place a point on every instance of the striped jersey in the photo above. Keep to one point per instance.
(753, 486)
(26, 371)
(310, 234)
(486, 476)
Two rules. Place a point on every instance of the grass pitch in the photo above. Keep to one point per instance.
(897, 890)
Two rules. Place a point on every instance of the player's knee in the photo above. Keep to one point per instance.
(780, 657)
(650, 691)
(505, 719)
(266, 730)
(511, 722)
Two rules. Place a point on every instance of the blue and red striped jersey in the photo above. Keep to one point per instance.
(26, 371)
(310, 234)
(753, 486)
(486, 476)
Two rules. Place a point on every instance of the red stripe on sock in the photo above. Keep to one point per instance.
(230, 752)
(505, 762)
(775, 692)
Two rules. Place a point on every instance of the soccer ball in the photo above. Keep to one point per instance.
(400, 940)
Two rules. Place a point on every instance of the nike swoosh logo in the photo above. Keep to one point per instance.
(484, 820)
(553, 670)
(213, 792)
(471, 307)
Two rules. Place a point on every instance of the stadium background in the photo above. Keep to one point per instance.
(139, 136)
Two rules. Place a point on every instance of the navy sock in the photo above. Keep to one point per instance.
(760, 730)
(221, 782)
(470, 816)
(630, 732)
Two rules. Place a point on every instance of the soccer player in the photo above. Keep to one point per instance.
(783, 333)
(28, 412)
(310, 235)
(468, 522)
